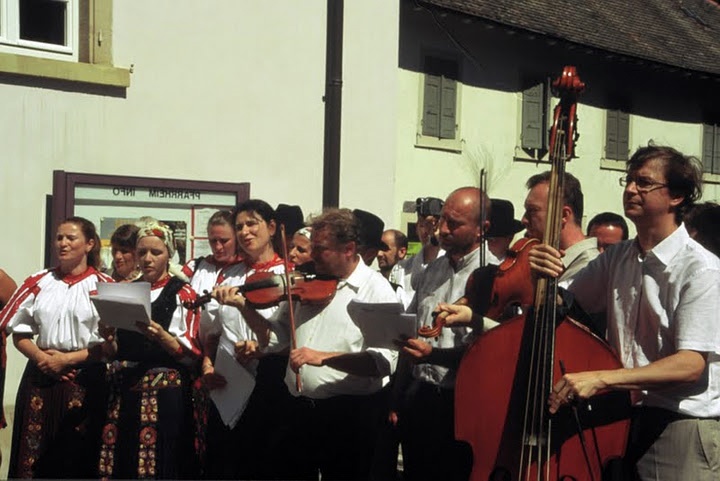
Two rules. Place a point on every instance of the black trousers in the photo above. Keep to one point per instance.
(427, 435)
(336, 436)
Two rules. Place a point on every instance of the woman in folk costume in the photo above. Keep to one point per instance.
(205, 273)
(149, 432)
(234, 450)
(61, 398)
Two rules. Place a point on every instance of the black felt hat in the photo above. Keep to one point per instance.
(502, 219)
(291, 216)
(371, 229)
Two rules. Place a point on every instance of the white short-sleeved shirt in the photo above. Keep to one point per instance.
(329, 328)
(442, 282)
(204, 275)
(57, 309)
(656, 305)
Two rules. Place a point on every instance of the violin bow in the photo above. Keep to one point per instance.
(291, 309)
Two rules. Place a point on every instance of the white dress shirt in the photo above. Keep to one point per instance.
(657, 304)
(329, 328)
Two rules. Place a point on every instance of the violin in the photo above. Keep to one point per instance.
(266, 289)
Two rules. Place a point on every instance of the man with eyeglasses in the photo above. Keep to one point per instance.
(661, 293)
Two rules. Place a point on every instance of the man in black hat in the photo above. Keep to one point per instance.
(371, 231)
(503, 227)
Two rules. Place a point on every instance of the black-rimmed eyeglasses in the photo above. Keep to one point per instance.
(642, 184)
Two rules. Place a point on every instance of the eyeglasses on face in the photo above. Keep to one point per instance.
(642, 184)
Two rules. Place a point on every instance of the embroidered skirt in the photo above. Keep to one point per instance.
(56, 429)
(149, 433)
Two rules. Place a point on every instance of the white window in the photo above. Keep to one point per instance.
(43, 28)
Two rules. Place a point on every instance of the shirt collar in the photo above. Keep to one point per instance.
(671, 245)
(572, 252)
(465, 260)
(359, 276)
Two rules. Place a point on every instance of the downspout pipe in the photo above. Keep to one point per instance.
(333, 103)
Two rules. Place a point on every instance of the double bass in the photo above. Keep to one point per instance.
(501, 411)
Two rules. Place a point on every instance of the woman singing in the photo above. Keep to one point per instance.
(61, 398)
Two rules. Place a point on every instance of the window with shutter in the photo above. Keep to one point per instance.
(534, 121)
(617, 135)
(711, 149)
(438, 123)
(534, 127)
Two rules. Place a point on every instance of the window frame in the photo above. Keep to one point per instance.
(92, 44)
(11, 42)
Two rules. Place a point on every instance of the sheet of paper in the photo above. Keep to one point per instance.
(383, 323)
(232, 398)
(121, 305)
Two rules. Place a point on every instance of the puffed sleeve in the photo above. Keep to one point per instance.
(185, 323)
(18, 315)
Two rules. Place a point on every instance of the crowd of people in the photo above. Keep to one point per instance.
(102, 402)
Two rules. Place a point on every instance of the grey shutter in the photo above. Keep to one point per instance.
(532, 118)
(708, 147)
(448, 102)
(431, 106)
(716, 151)
(623, 135)
(611, 135)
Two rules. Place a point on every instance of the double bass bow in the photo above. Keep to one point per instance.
(502, 411)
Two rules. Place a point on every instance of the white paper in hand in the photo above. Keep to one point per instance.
(382, 323)
(232, 398)
(121, 305)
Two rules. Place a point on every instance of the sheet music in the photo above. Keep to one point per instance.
(232, 398)
(382, 323)
(123, 304)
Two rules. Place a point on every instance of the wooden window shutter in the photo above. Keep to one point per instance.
(431, 105)
(533, 132)
(448, 101)
(716, 151)
(611, 137)
(623, 135)
(708, 147)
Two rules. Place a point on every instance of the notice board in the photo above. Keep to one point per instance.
(112, 200)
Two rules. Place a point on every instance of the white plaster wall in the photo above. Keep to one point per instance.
(225, 91)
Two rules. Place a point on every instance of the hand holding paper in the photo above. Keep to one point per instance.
(121, 305)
